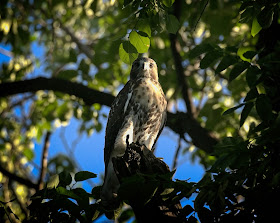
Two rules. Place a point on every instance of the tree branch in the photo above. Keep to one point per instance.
(89, 95)
(179, 122)
(140, 160)
(17, 178)
(83, 48)
(175, 49)
(44, 161)
(186, 91)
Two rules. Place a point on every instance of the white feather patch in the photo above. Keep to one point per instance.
(127, 101)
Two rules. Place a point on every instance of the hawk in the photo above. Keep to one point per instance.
(137, 113)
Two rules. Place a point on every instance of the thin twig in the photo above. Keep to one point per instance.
(175, 161)
(44, 161)
(201, 13)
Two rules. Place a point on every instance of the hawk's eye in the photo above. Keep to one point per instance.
(151, 65)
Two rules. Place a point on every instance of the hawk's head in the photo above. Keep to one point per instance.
(144, 67)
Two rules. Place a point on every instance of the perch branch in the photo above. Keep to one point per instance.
(140, 160)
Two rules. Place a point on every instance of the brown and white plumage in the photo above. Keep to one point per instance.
(139, 112)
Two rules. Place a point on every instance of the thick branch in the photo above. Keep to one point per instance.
(17, 178)
(183, 123)
(140, 160)
(89, 95)
(44, 161)
(180, 123)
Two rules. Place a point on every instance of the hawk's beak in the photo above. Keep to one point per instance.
(146, 66)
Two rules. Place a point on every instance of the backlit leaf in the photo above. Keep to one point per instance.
(140, 41)
(256, 28)
(168, 3)
(127, 52)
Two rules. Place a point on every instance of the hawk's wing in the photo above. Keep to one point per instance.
(115, 121)
(163, 122)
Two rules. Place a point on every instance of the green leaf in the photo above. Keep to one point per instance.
(143, 26)
(172, 24)
(96, 192)
(168, 3)
(256, 28)
(245, 112)
(53, 182)
(252, 94)
(233, 109)
(209, 59)
(140, 41)
(65, 179)
(167, 191)
(265, 17)
(84, 66)
(28, 153)
(226, 62)
(126, 215)
(67, 74)
(253, 75)
(242, 52)
(84, 175)
(237, 70)
(128, 53)
(200, 49)
(250, 54)
(67, 193)
(264, 107)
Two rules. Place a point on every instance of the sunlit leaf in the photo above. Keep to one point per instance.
(143, 26)
(140, 41)
(168, 3)
(256, 28)
(28, 153)
(128, 53)
(53, 182)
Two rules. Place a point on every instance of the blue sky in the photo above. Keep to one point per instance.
(89, 150)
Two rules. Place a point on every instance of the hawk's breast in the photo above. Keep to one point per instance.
(148, 107)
